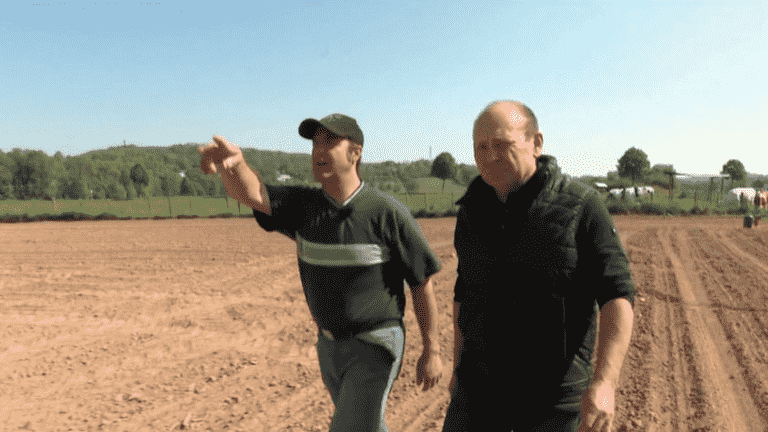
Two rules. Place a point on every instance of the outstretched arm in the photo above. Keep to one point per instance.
(240, 181)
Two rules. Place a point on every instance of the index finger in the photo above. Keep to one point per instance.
(203, 149)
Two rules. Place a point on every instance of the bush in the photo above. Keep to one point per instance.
(620, 207)
(696, 211)
(653, 208)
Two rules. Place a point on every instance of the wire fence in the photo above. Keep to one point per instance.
(180, 206)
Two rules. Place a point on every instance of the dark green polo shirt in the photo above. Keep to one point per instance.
(353, 258)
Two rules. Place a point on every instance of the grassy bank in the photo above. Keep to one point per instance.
(420, 205)
(679, 207)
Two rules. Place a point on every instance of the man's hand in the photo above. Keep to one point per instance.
(240, 181)
(219, 152)
(429, 369)
(597, 407)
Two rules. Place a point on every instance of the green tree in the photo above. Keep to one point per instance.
(117, 192)
(77, 188)
(736, 170)
(7, 173)
(140, 179)
(758, 184)
(184, 188)
(410, 185)
(466, 173)
(444, 167)
(633, 164)
(169, 185)
(57, 180)
(130, 191)
(189, 187)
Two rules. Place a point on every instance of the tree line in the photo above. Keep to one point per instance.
(635, 169)
(128, 172)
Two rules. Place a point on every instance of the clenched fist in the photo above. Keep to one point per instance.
(219, 152)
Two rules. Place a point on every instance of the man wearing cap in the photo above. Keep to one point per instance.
(539, 267)
(355, 246)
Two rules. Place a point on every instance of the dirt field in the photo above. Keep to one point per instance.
(141, 325)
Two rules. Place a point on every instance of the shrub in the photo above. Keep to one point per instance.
(696, 211)
(652, 208)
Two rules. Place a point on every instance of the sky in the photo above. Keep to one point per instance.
(684, 81)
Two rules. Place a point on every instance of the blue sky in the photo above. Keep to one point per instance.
(684, 81)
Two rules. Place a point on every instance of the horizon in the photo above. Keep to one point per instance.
(678, 81)
(192, 144)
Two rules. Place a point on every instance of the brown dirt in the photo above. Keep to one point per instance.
(202, 324)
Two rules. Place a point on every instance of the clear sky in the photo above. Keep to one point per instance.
(685, 81)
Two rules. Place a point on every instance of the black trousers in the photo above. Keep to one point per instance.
(482, 403)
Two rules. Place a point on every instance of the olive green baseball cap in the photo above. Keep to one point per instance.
(338, 124)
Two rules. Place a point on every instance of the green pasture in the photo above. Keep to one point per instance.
(432, 203)
(661, 204)
(138, 208)
(420, 204)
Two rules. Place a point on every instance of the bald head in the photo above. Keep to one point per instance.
(515, 111)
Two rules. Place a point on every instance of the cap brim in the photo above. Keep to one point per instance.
(308, 127)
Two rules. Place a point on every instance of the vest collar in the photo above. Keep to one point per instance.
(547, 172)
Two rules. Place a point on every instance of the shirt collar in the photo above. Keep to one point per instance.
(354, 194)
(359, 188)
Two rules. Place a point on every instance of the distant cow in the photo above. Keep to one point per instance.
(645, 190)
(761, 199)
(631, 192)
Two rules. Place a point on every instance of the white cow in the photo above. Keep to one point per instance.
(645, 190)
(641, 191)
(735, 193)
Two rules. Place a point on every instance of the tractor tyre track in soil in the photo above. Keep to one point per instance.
(155, 325)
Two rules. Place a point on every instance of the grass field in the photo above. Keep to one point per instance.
(420, 204)
(154, 206)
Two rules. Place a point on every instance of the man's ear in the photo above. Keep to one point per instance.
(357, 150)
(538, 144)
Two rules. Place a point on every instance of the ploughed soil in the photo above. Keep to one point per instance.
(202, 324)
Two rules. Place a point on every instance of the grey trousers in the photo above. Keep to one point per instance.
(359, 374)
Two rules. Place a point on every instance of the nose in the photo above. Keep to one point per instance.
(493, 155)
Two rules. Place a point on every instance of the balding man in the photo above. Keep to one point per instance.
(540, 265)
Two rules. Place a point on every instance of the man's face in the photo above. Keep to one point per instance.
(331, 157)
(504, 157)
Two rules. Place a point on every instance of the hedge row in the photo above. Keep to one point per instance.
(674, 209)
(617, 208)
(76, 216)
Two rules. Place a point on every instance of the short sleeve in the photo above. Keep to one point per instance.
(286, 204)
(602, 259)
(418, 260)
